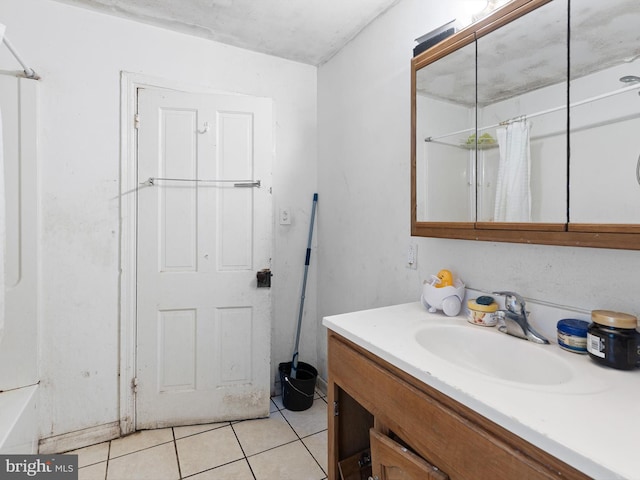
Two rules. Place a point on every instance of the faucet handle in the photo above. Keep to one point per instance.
(513, 302)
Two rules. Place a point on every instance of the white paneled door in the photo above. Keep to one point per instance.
(203, 326)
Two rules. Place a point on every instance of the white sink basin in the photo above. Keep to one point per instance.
(494, 354)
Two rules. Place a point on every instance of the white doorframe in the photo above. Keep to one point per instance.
(129, 84)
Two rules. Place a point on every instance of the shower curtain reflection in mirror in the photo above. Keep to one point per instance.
(513, 189)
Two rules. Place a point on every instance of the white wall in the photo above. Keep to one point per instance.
(80, 55)
(363, 177)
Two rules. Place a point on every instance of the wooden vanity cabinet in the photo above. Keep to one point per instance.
(415, 432)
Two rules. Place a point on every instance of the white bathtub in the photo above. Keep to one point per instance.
(19, 421)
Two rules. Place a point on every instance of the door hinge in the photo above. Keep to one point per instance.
(134, 384)
(336, 410)
(136, 121)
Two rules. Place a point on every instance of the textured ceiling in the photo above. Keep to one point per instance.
(307, 31)
(531, 52)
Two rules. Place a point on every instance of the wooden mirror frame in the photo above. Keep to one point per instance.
(618, 236)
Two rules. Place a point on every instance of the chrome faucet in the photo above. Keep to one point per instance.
(515, 318)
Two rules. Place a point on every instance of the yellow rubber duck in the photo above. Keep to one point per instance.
(446, 279)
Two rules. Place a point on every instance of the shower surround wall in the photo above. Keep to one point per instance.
(18, 335)
(80, 56)
(18, 332)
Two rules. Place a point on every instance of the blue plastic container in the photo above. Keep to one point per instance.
(572, 335)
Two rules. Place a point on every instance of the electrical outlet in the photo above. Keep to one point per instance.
(285, 216)
(412, 257)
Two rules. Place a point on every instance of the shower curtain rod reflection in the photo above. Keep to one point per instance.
(488, 146)
(537, 114)
(151, 181)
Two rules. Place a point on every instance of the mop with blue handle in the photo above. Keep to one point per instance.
(294, 361)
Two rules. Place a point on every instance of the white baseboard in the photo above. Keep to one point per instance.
(80, 438)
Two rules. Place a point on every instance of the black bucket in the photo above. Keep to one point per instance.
(298, 393)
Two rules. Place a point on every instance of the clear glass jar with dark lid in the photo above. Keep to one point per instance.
(612, 339)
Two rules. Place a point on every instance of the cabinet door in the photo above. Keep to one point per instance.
(391, 461)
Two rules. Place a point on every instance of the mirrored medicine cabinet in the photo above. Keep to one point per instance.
(526, 127)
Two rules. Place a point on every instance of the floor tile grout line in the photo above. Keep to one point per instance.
(175, 447)
(273, 448)
(298, 440)
(302, 442)
(225, 424)
(191, 475)
(294, 430)
(313, 456)
(138, 451)
(88, 464)
(106, 468)
(68, 452)
(243, 452)
(238, 440)
(246, 458)
(312, 434)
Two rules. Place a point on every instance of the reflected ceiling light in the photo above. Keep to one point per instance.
(473, 10)
(467, 11)
(473, 7)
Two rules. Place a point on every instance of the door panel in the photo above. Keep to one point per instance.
(176, 362)
(235, 342)
(235, 231)
(203, 328)
(178, 204)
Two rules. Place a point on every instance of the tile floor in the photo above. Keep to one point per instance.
(287, 445)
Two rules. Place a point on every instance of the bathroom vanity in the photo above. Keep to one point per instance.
(426, 413)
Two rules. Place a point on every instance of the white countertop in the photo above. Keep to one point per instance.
(592, 422)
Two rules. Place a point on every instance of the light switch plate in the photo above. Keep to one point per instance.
(285, 216)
